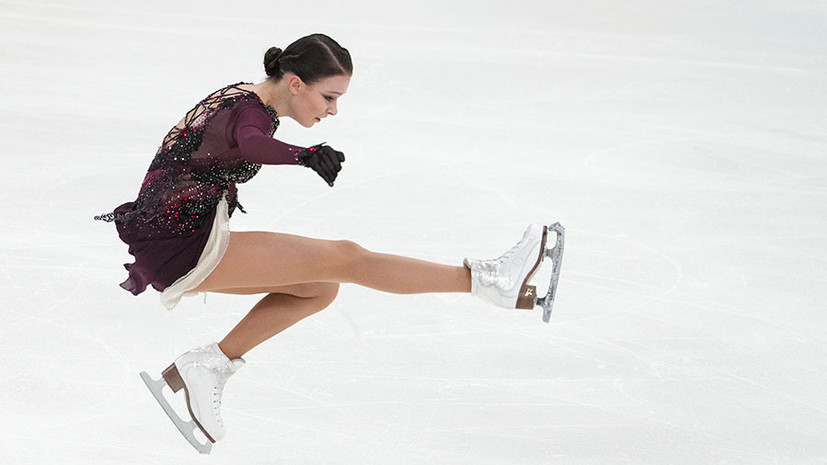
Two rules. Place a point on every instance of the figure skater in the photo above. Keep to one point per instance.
(177, 228)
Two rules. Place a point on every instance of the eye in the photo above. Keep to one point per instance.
(329, 98)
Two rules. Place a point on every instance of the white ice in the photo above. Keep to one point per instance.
(681, 143)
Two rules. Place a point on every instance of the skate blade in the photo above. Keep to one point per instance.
(186, 428)
(528, 293)
(556, 256)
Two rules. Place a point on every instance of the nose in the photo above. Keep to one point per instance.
(333, 109)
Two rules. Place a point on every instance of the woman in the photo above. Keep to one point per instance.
(177, 227)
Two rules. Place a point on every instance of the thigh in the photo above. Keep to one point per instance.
(262, 261)
(304, 290)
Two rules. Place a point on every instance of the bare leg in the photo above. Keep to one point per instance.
(274, 313)
(302, 276)
(266, 260)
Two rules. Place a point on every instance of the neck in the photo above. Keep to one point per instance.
(274, 94)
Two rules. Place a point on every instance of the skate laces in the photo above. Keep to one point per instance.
(497, 262)
(220, 368)
(514, 249)
(218, 390)
(223, 371)
(490, 271)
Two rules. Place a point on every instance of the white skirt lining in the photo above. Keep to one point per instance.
(213, 252)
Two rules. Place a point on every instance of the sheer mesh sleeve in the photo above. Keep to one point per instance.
(251, 133)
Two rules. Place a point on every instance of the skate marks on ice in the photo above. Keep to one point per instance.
(643, 360)
(621, 275)
(666, 323)
(59, 375)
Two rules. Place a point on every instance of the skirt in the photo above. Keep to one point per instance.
(212, 254)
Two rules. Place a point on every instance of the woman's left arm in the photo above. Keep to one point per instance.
(251, 133)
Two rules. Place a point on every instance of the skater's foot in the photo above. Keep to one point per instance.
(202, 374)
(504, 280)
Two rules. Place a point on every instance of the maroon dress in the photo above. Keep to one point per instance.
(222, 141)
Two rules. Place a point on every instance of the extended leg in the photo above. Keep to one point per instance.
(301, 276)
(262, 260)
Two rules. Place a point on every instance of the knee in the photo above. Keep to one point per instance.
(349, 249)
(327, 293)
(305, 298)
(348, 253)
(321, 292)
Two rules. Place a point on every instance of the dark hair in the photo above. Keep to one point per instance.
(312, 58)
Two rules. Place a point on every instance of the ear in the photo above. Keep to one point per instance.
(295, 84)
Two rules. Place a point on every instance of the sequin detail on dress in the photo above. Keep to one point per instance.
(198, 164)
(189, 174)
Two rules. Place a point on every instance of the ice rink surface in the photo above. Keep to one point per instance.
(682, 144)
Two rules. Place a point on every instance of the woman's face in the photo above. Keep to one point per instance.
(316, 101)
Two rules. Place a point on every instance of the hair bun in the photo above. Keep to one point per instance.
(271, 61)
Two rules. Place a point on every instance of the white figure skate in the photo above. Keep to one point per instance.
(504, 280)
(201, 373)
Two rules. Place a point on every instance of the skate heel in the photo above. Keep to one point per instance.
(173, 378)
(527, 298)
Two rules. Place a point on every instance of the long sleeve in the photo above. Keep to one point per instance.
(251, 133)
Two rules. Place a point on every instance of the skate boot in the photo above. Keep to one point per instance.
(201, 373)
(504, 280)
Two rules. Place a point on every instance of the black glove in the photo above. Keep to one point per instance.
(324, 160)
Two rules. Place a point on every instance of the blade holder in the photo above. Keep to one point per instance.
(556, 255)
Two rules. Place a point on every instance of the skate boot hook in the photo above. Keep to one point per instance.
(556, 255)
